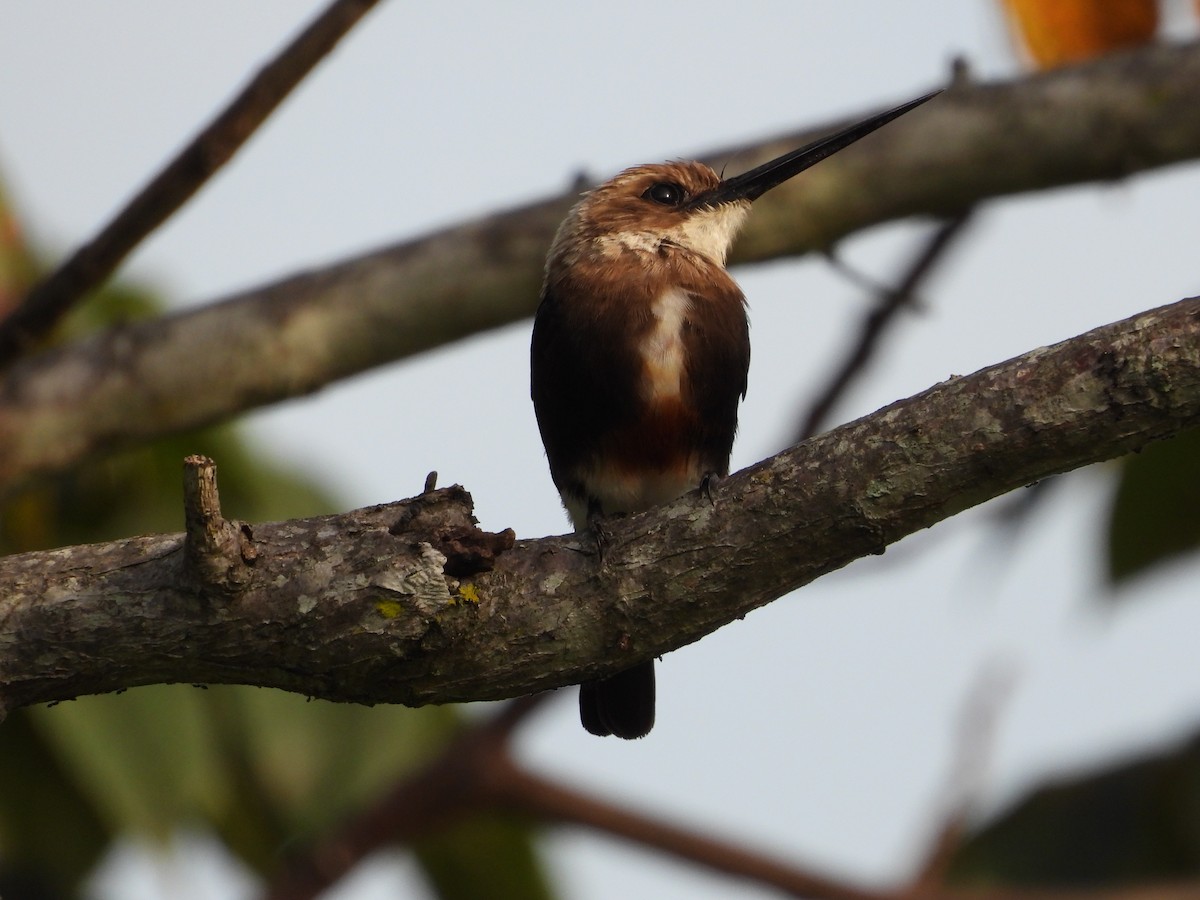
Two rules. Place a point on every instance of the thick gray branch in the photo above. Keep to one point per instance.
(396, 603)
(1121, 115)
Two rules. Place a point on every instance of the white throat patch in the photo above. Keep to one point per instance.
(707, 232)
(710, 232)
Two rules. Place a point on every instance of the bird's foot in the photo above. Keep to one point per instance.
(595, 521)
(707, 484)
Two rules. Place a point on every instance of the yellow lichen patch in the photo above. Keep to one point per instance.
(389, 609)
(469, 593)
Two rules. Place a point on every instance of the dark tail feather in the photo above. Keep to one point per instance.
(622, 705)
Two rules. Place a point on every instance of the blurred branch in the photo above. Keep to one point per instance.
(1102, 121)
(875, 323)
(524, 792)
(96, 260)
(411, 603)
(476, 772)
(975, 745)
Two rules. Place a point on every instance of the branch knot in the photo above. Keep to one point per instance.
(218, 552)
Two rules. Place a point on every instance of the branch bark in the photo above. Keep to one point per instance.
(410, 603)
(1103, 121)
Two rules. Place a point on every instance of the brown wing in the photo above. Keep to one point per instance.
(584, 376)
(717, 348)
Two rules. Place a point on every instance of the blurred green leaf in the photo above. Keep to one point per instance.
(49, 829)
(1156, 513)
(140, 491)
(311, 763)
(146, 757)
(263, 767)
(1137, 822)
(18, 269)
(486, 856)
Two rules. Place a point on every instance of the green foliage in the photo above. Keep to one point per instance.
(264, 768)
(50, 832)
(488, 856)
(1156, 515)
(1137, 823)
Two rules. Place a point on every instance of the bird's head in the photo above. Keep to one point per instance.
(685, 206)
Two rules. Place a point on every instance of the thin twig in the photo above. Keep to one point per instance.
(96, 260)
(975, 745)
(876, 322)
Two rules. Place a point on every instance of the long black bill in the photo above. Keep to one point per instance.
(753, 184)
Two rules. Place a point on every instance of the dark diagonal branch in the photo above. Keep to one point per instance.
(410, 603)
(532, 795)
(96, 260)
(477, 772)
(1121, 115)
(876, 322)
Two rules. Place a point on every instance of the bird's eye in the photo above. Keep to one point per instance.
(665, 192)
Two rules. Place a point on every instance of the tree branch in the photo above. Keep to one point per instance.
(1103, 121)
(92, 264)
(889, 303)
(410, 603)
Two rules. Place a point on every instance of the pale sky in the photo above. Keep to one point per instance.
(822, 726)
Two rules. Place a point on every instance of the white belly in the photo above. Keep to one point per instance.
(620, 491)
(662, 349)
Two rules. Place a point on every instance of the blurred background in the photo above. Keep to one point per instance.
(824, 728)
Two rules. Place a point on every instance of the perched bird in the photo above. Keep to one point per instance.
(640, 353)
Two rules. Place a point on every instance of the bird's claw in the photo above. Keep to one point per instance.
(595, 521)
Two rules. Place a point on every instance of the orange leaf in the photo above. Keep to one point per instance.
(1057, 32)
